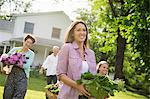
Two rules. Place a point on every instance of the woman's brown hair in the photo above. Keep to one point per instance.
(30, 37)
(69, 35)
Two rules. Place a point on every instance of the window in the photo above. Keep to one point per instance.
(56, 32)
(2, 48)
(28, 28)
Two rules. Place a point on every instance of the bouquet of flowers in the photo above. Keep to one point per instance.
(98, 86)
(17, 59)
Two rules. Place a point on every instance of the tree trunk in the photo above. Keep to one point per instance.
(121, 43)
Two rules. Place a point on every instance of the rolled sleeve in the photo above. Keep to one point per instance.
(62, 65)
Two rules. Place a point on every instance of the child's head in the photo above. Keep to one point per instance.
(102, 68)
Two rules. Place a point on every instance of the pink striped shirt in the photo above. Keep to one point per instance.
(70, 63)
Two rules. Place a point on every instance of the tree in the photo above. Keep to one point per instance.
(10, 7)
(124, 37)
(121, 42)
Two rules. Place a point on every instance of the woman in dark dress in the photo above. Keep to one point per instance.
(16, 81)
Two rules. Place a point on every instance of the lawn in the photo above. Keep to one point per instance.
(37, 83)
(127, 95)
(35, 87)
(31, 94)
(36, 90)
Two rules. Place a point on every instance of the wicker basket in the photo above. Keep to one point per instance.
(51, 95)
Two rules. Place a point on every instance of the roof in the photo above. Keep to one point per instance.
(40, 13)
(42, 41)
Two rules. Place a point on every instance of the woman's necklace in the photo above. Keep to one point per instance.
(83, 54)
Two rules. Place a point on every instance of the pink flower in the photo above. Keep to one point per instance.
(11, 61)
(3, 57)
(17, 59)
(19, 63)
(18, 54)
(6, 62)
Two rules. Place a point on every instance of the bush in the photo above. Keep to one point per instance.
(34, 73)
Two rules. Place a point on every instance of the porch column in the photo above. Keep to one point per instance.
(14, 44)
(45, 53)
(4, 50)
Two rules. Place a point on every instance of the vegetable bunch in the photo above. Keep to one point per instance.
(98, 86)
(53, 88)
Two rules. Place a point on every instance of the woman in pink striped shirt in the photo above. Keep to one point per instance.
(74, 59)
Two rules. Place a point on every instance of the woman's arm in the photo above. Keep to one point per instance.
(45, 64)
(29, 61)
(65, 79)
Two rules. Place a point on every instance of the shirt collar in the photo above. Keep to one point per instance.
(75, 46)
(54, 55)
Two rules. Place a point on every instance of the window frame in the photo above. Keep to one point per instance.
(28, 27)
(56, 30)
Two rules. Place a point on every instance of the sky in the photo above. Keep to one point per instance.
(68, 6)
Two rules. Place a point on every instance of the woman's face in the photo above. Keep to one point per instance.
(80, 32)
(103, 70)
(28, 43)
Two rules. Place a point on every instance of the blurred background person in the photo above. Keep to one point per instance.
(50, 66)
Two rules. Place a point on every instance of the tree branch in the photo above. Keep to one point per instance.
(112, 8)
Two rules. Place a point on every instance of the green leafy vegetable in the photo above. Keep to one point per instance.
(98, 86)
(52, 88)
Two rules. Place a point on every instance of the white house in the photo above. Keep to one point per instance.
(48, 27)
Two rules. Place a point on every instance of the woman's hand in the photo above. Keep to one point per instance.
(66, 80)
(82, 90)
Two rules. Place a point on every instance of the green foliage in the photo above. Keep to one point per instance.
(34, 73)
(52, 88)
(132, 17)
(13, 7)
(98, 86)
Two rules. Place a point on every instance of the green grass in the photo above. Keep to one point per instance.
(2, 80)
(36, 90)
(127, 95)
(31, 94)
(35, 87)
(37, 84)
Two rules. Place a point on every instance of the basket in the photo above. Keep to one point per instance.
(50, 95)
